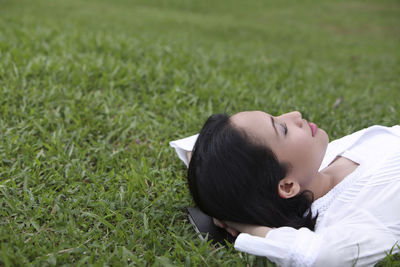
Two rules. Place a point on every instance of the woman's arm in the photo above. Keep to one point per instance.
(255, 230)
(235, 228)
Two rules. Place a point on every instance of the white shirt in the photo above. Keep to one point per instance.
(359, 219)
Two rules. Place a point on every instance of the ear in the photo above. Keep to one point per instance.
(288, 187)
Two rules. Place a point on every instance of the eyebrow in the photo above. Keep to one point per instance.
(273, 125)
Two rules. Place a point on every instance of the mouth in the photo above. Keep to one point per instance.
(313, 127)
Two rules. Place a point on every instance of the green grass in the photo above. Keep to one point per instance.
(91, 92)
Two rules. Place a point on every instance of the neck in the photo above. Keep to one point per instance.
(331, 176)
(324, 182)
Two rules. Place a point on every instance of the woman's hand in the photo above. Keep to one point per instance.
(235, 228)
(227, 228)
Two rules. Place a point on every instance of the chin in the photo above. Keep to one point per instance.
(325, 135)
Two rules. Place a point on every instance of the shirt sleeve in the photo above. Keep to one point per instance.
(285, 246)
(182, 146)
(359, 239)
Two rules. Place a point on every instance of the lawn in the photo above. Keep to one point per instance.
(91, 92)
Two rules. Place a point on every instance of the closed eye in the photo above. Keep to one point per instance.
(285, 130)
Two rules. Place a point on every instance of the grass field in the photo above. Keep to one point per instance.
(91, 92)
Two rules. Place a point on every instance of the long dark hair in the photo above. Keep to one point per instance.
(233, 178)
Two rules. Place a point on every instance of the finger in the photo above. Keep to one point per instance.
(232, 231)
(219, 223)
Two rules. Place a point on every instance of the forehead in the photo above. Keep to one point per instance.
(254, 123)
(248, 118)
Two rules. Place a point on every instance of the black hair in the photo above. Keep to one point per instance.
(232, 177)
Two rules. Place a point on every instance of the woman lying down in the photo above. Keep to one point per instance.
(292, 197)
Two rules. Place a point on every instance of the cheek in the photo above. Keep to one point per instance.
(311, 154)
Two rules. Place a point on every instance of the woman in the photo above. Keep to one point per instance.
(294, 198)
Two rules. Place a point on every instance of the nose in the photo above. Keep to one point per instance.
(296, 117)
(296, 114)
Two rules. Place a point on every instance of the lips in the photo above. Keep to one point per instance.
(313, 127)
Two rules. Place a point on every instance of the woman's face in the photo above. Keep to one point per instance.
(290, 137)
